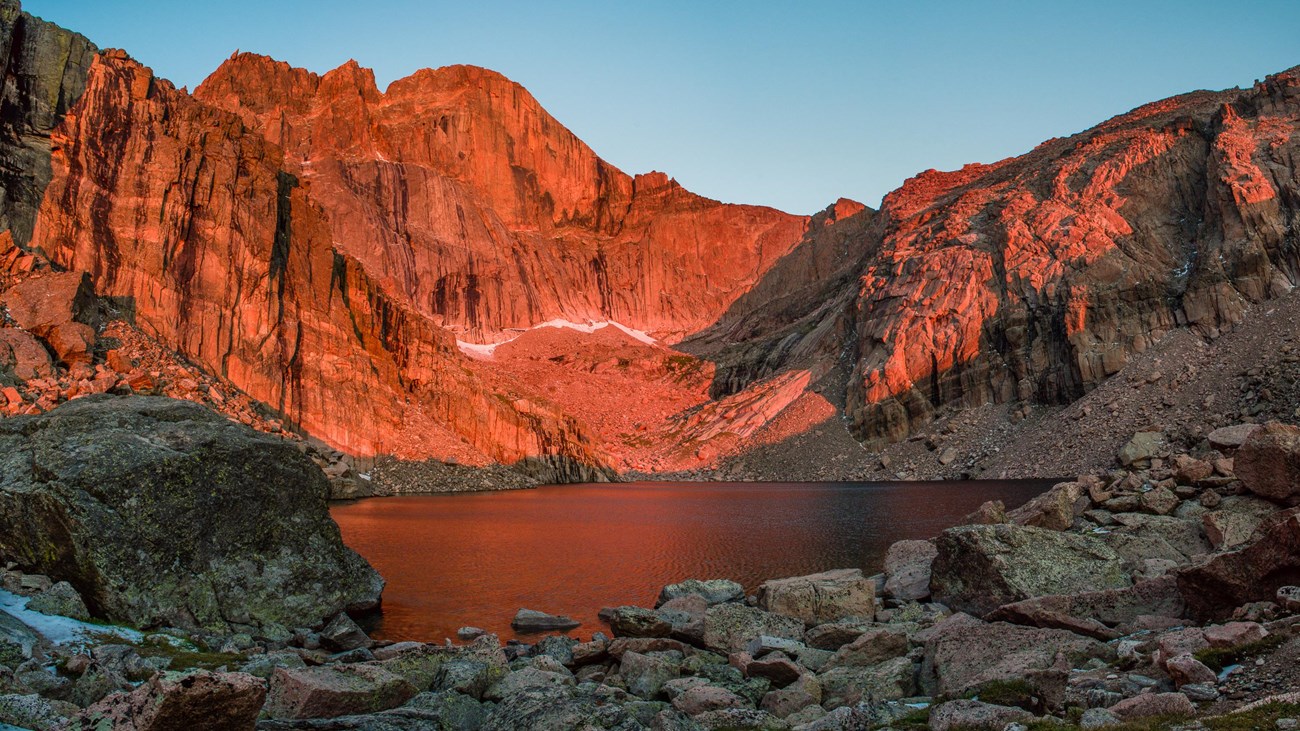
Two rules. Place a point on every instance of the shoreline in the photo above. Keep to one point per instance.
(969, 629)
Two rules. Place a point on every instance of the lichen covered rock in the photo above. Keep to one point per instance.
(981, 567)
(160, 512)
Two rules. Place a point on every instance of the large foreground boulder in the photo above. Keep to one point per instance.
(160, 512)
(1269, 462)
(820, 598)
(1252, 573)
(964, 654)
(981, 567)
(194, 701)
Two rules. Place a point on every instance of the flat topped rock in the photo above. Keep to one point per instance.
(1232, 437)
(531, 620)
(713, 591)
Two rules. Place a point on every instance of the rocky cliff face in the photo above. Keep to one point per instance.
(44, 71)
(190, 223)
(255, 251)
(1037, 277)
(335, 251)
(465, 199)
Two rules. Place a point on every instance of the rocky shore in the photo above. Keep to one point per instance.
(1160, 594)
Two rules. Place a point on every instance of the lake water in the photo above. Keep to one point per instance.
(476, 558)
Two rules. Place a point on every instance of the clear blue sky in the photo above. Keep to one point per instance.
(788, 104)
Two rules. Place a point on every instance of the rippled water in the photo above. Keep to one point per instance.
(476, 558)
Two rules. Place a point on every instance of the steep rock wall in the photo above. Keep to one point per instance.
(1037, 277)
(464, 198)
(192, 225)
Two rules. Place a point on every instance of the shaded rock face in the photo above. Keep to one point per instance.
(44, 68)
(1269, 463)
(160, 512)
(1255, 572)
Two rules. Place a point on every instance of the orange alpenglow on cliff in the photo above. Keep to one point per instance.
(443, 270)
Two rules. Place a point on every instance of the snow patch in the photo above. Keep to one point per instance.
(487, 350)
(60, 630)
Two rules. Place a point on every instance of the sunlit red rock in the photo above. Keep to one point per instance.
(326, 302)
(1037, 277)
(463, 198)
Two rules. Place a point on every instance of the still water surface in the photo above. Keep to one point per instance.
(476, 558)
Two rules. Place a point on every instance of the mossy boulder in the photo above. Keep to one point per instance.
(162, 513)
(981, 567)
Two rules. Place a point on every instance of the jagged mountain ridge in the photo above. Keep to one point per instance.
(323, 246)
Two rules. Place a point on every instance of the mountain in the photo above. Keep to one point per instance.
(441, 270)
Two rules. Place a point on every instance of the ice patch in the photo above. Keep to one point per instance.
(486, 350)
(60, 630)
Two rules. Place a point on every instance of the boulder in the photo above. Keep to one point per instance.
(1252, 573)
(34, 712)
(991, 512)
(1185, 670)
(1235, 520)
(528, 679)
(964, 653)
(820, 598)
(713, 591)
(1142, 448)
(871, 648)
(704, 698)
(1160, 501)
(531, 620)
(1095, 613)
(777, 668)
(1186, 537)
(981, 567)
(1268, 463)
(161, 512)
(73, 343)
(1055, 509)
(845, 686)
(441, 710)
(1185, 641)
(23, 355)
(42, 304)
(685, 614)
(834, 635)
(1234, 634)
(739, 719)
(195, 701)
(1189, 471)
(1149, 705)
(645, 675)
(729, 627)
(335, 690)
(638, 622)
(907, 566)
(342, 634)
(1231, 437)
(62, 600)
(786, 702)
(969, 715)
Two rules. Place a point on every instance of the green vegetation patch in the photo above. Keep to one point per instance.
(1219, 658)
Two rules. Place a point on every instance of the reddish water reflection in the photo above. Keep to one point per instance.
(474, 559)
